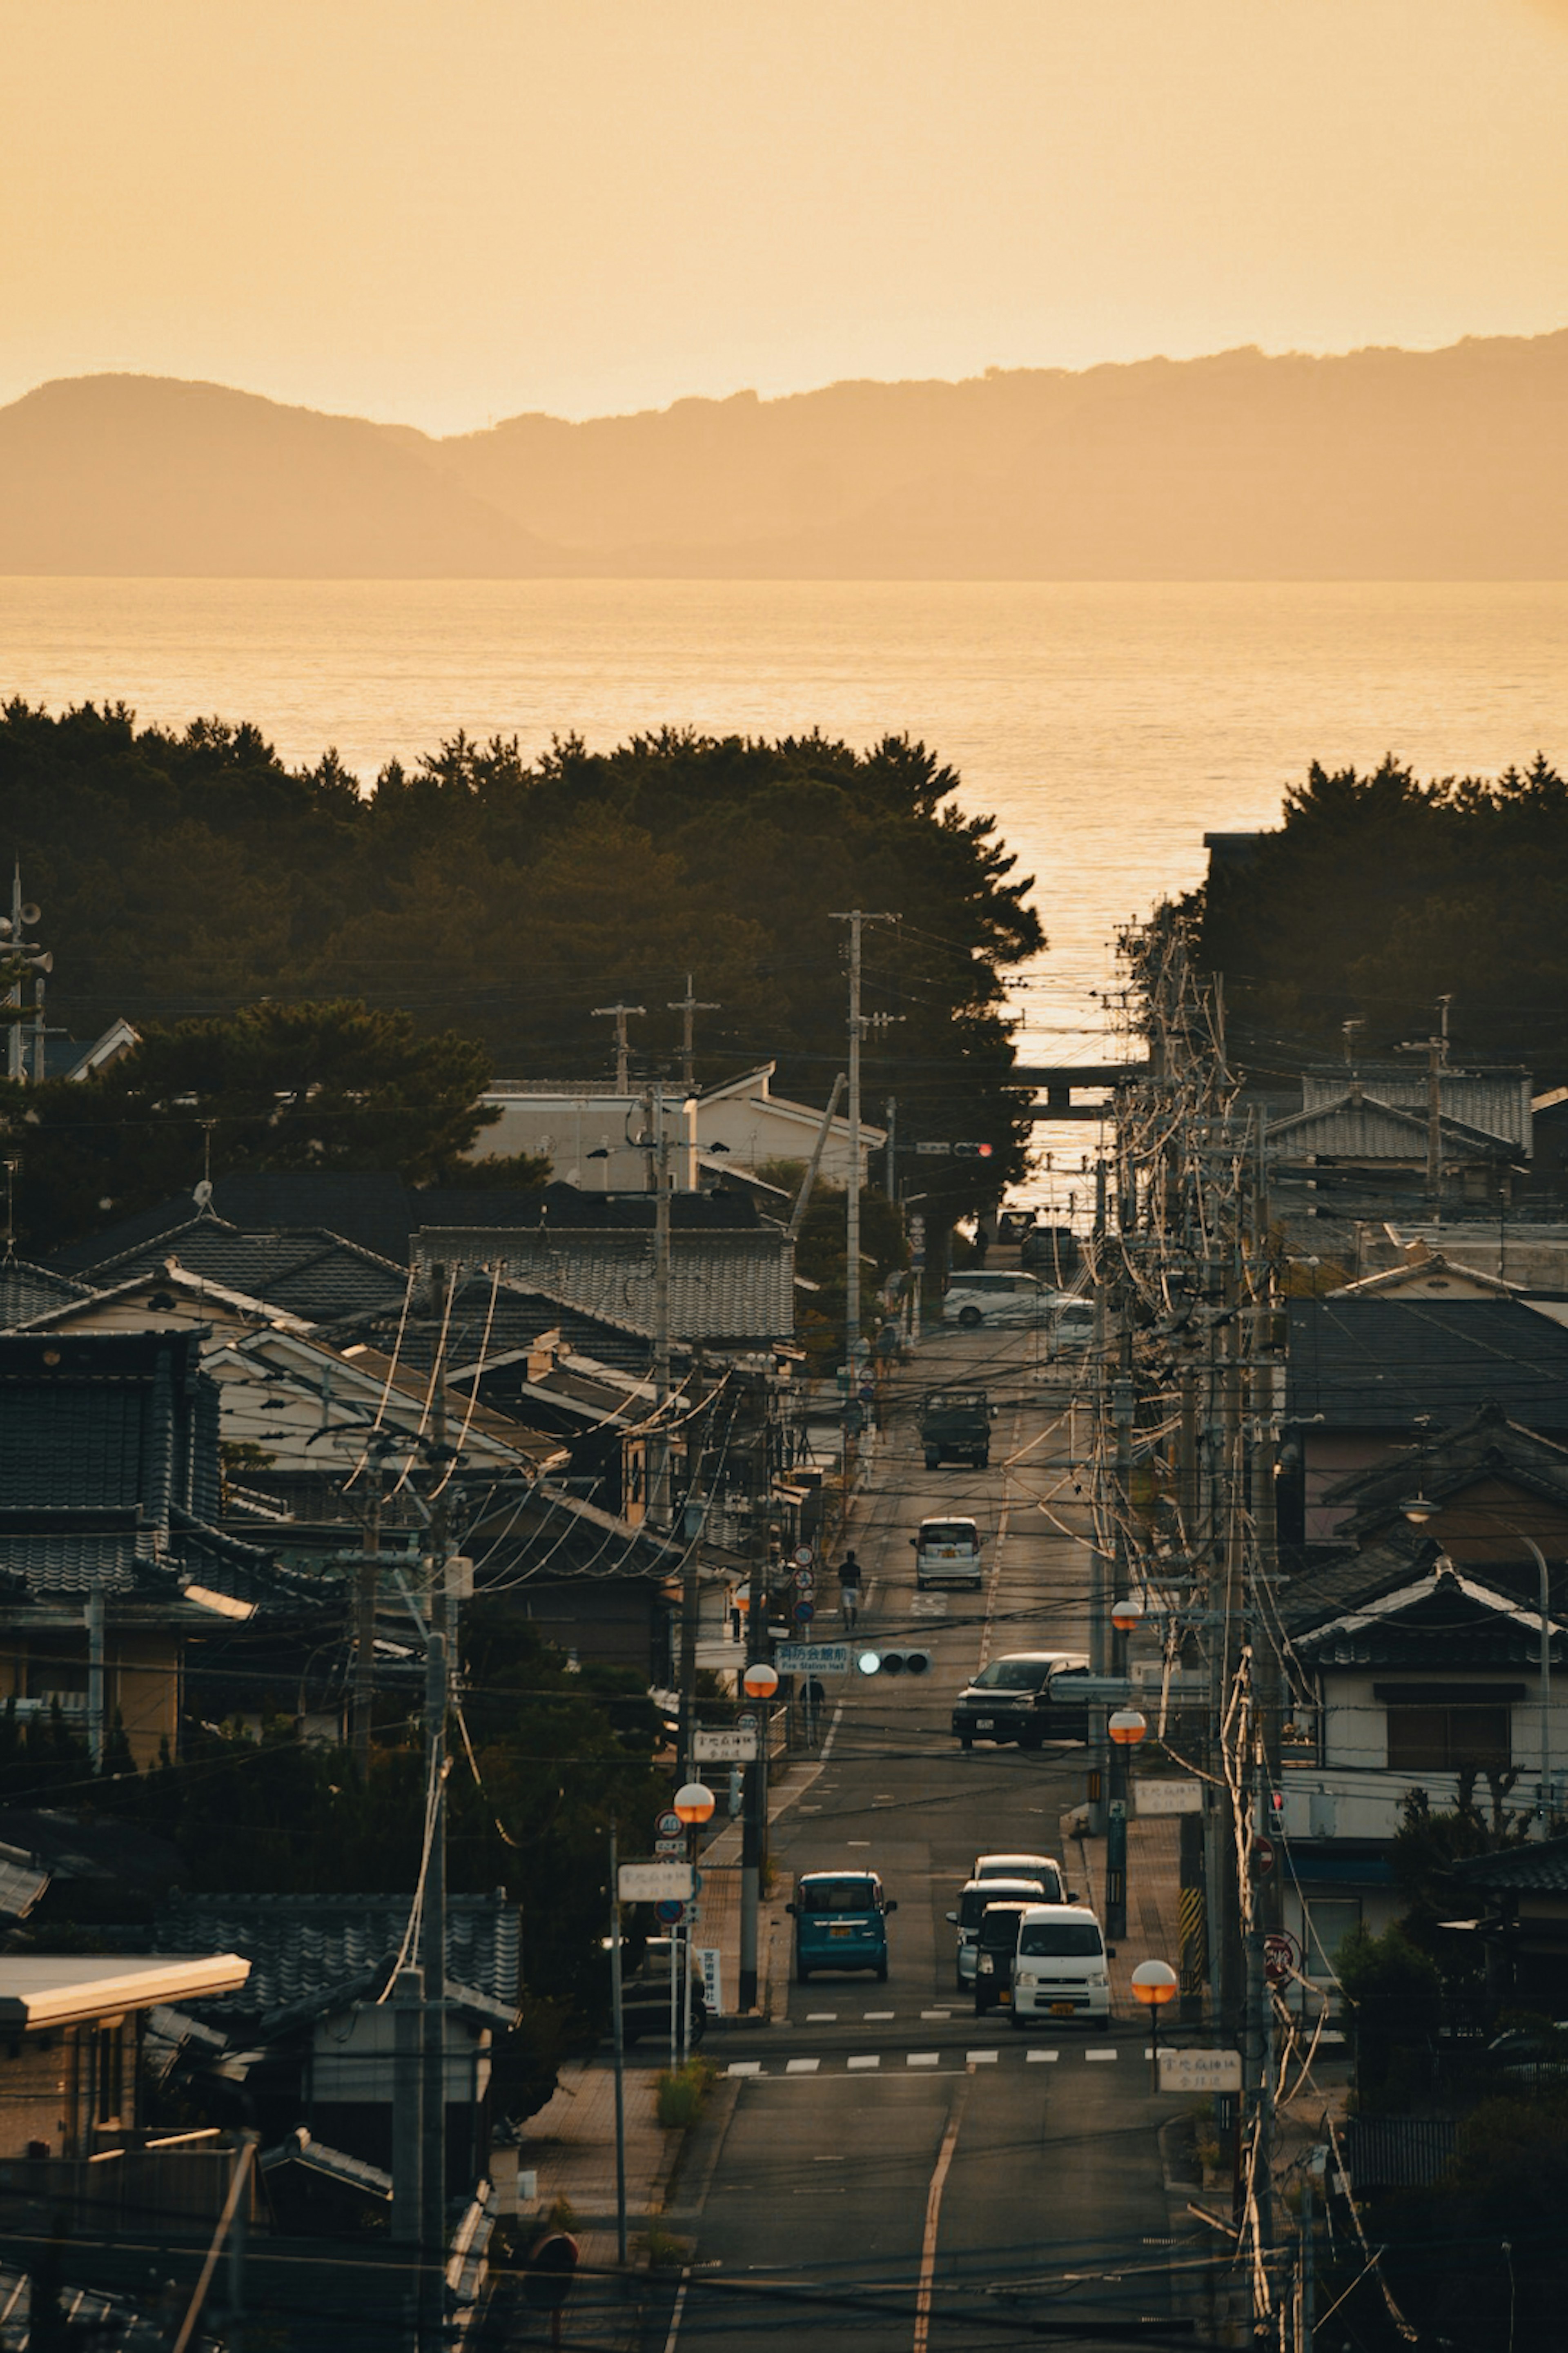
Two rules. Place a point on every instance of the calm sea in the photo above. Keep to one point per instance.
(1108, 727)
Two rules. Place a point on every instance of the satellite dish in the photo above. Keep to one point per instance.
(31, 915)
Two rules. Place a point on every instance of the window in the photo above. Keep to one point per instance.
(1061, 1940)
(1443, 1738)
(837, 1895)
(1331, 1919)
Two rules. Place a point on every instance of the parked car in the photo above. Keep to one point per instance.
(645, 1996)
(994, 1947)
(1008, 1699)
(840, 1923)
(1029, 1887)
(1064, 1715)
(976, 1296)
(947, 1552)
(1060, 1969)
(1050, 1251)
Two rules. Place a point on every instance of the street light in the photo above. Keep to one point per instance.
(694, 1804)
(1419, 1510)
(1127, 1728)
(1127, 1614)
(1154, 1983)
(760, 1681)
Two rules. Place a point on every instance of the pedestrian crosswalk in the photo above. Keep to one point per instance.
(856, 2063)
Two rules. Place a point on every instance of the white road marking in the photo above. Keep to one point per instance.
(923, 2058)
(857, 1842)
(879, 2013)
(822, 2018)
(875, 2060)
(1099, 2055)
(1041, 2058)
(801, 2066)
(745, 2067)
(936, 2013)
(981, 2058)
(670, 2341)
(833, 1727)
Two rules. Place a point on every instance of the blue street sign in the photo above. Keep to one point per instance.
(805, 1612)
(670, 1910)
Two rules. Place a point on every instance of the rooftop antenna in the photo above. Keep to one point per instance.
(203, 1193)
(1348, 1031)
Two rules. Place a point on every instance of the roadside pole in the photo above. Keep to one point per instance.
(755, 1798)
(433, 1940)
(618, 2022)
(1098, 1597)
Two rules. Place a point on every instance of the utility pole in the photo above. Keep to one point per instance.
(658, 1483)
(890, 1182)
(620, 1014)
(856, 918)
(1099, 1594)
(686, 1007)
(752, 1826)
(365, 1580)
(433, 1940)
(690, 1587)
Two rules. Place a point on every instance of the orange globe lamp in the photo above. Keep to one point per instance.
(1127, 1728)
(1154, 1983)
(694, 1804)
(760, 1681)
(1127, 1614)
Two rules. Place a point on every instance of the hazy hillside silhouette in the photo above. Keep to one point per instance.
(1380, 464)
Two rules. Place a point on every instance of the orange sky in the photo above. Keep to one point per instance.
(444, 211)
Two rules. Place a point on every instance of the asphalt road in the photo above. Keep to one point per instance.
(884, 2170)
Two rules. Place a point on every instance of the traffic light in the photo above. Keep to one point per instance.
(893, 1663)
(972, 1151)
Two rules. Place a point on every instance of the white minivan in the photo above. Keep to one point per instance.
(976, 1296)
(1062, 1967)
(947, 1552)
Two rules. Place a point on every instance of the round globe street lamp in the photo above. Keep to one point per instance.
(694, 1804)
(760, 1681)
(1127, 1728)
(1418, 1509)
(1154, 1983)
(1127, 1614)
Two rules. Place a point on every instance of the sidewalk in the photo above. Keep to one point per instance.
(1153, 1897)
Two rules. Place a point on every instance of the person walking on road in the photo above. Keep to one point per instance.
(849, 1591)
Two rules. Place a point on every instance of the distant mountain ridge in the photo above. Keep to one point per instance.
(1378, 464)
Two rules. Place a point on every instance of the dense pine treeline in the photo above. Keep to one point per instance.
(1380, 894)
(183, 877)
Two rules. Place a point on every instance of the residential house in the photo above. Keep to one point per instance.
(1519, 1897)
(1367, 1378)
(309, 2038)
(584, 1130)
(1371, 1149)
(1407, 1672)
(731, 1272)
(112, 1565)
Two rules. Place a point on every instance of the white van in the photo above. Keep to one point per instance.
(947, 1552)
(1062, 1969)
(976, 1296)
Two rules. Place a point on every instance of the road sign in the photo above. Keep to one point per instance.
(736, 1747)
(803, 1557)
(670, 1849)
(708, 1960)
(1281, 1957)
(1169, 1797)
(748, 1721)
(650, 1882)
(933, 1151)
(1200, 2071)
(669, 1911)
(804, 1611)
(669, 1825)
(805, 1580)
(1262, 1857)
(812, 1658)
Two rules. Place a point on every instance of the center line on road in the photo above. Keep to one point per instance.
(879, 2013)
(923, 2058)
(801, 2066)
(981, 2058)
(933, 2214)
(875, 2060)
(936, 2013)
(822, 2018)
(1039, 2058)
(1099, 2055)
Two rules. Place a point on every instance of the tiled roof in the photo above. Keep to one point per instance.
(1541, 1870)
(519, 1319)
(314, 1275)
(1440, 1623)
(736, 1287)
(98, 1420)
(457, 1208)
(371, 1209)
(1380, 1364)
(1453, 1459)
(26, 1290)
(300, 1946)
